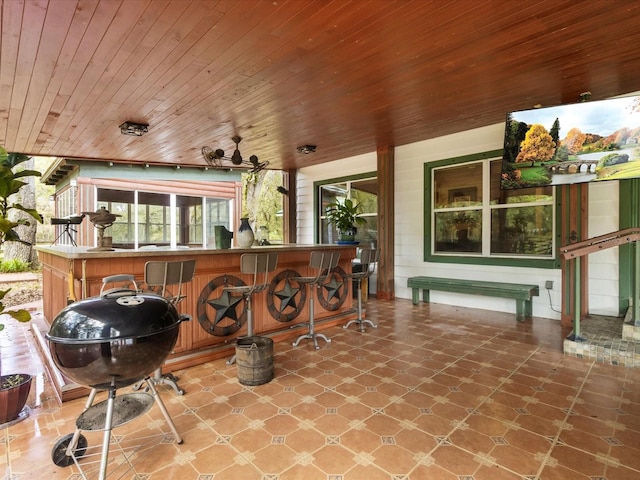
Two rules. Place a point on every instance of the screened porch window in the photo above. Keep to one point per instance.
(157, 217)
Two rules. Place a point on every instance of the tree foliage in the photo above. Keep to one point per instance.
(555, 132)
(513, 136)
(536, 146)
(262, 202)
(574, 141)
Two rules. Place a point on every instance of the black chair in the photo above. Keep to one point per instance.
(368, 260)
(323, 262)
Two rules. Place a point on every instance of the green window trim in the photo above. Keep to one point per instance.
(551, 263)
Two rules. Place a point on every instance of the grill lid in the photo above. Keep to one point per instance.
(113, 316)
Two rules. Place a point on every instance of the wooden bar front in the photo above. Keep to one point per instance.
(73, 273)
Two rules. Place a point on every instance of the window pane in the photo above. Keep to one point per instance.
(331, 193)
(158, 224)
(365, 194)
(459, 186)
(121, 231)
(367, 234)
(522, 230)
(217, 213)
(459, 231)
(143, 232)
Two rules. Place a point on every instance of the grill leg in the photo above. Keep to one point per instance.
(106, 438)
(164, 411)
(76, 435)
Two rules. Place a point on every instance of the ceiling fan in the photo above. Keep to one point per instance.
(216, 158)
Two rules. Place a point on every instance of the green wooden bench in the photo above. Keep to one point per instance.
(521, 293)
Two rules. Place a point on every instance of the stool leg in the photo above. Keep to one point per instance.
(312, 334)
(364, 321)
(232, 360)
(360, 321)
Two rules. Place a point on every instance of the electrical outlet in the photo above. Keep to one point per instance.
(548, 284)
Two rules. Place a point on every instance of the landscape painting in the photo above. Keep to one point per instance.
(581, 142)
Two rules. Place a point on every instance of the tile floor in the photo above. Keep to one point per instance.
(435, 392)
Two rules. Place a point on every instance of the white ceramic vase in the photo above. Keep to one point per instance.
(245, 235)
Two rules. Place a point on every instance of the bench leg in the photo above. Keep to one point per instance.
(524, 310)
(415, 294)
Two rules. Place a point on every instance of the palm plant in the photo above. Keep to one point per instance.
(10, 184)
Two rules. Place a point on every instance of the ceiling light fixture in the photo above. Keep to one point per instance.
(216, 158)
(135, 129)
(306, 149)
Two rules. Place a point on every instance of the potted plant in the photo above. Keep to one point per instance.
(463, 223)
(14, 388)
(345, 216)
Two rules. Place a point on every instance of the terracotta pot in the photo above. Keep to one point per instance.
(13, 399)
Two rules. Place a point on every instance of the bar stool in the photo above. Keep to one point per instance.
(368, 259)
(259, 265)
(167, 279)
(324, 263)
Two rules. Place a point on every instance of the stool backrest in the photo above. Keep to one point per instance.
(159, 275)
(368, 259)
(324, 262)
(258, 265)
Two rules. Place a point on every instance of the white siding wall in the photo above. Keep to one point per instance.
(409, 226)
(603, 266)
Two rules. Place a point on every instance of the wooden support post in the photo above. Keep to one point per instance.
(636, 285)
(386, 176)
(573, 212)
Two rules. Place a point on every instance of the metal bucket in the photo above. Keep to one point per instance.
(254, 359)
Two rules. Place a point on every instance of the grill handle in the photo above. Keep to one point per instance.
(121, 278)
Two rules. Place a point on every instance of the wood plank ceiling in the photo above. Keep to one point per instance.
(347, 76)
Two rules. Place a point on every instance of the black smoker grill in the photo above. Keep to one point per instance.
(108, 342)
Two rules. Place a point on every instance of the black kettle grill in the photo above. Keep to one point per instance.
(116, 339)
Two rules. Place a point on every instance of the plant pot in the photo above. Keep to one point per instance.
(14, 397)
(348, 235)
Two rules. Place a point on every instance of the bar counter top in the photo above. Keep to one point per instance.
(68, 251)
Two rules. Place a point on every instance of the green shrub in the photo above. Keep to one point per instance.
(13, 266)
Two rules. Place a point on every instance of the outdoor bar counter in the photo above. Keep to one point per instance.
(280, 312)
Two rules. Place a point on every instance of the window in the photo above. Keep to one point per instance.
(471, 217)
(363, 191)
(153, 217)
